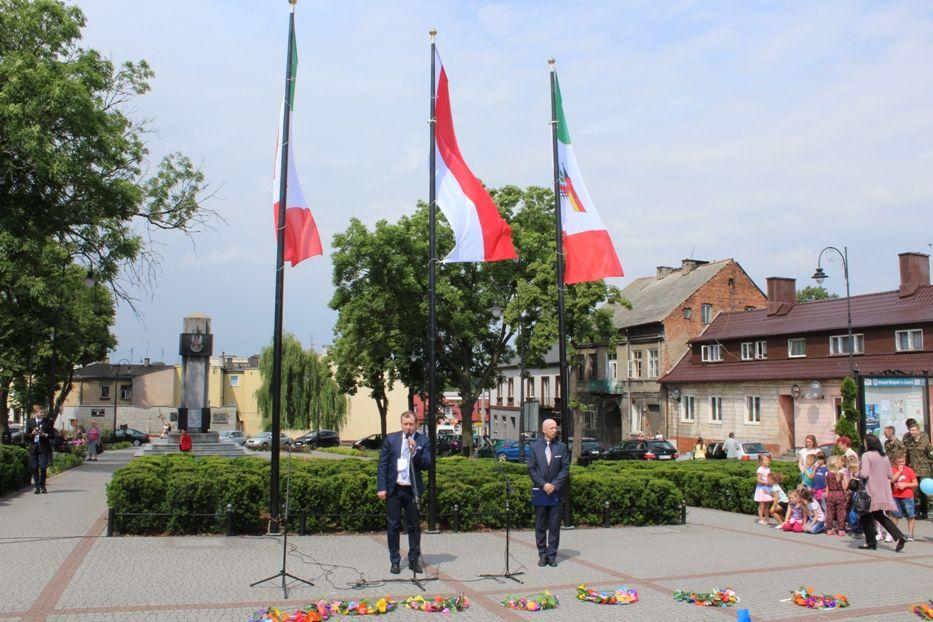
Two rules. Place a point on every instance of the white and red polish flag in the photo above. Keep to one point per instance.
(480, 232)
(588, 251)
(302, 239)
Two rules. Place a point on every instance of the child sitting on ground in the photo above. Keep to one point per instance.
(780, 501)
(763, 489)
(793, 520)
(815, 520)
(835, 498)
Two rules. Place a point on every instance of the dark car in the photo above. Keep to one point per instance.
(129, 435)
(373, 441)
(715, 451)
(319, 438)
(590, 450)
(641, 450)
(448, 445)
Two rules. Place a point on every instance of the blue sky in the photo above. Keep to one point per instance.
(762, 131)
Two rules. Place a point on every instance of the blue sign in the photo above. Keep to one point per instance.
(893, 382)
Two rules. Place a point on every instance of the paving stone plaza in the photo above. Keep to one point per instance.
(58, 565)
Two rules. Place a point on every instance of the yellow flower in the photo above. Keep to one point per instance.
(381, 605)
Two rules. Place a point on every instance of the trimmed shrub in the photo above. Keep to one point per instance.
(14, 468)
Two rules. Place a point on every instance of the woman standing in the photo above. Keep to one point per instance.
(93, 438)
(809, 447)
(699, 450)
(876, 477)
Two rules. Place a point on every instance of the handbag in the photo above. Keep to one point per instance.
(862, 502)
(100, 448)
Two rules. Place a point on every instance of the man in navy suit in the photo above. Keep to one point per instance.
(39, 436)
(548, 466)
(404, 454)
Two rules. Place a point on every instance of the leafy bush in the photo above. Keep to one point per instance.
(349, 451)
(14, 468)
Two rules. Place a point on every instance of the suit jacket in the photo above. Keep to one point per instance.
(387, 475)
(543, 473)
(45, 442)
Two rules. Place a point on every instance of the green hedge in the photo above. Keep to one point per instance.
(340, 495)
(14, 466)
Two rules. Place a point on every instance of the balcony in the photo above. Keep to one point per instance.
(605, 387)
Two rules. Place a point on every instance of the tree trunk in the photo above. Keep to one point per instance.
(63, 395)
(411, 399)
(382, 403)
(466, 421)
(4, 413)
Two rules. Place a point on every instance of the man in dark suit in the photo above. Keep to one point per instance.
(404, 455)
(548, 466)
(39, 438)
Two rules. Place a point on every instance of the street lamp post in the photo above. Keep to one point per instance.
(116, 391)
(819, 276)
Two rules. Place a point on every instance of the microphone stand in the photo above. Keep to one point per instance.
(508, 574)
(283, 574)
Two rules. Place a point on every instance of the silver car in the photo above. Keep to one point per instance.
(233, 436)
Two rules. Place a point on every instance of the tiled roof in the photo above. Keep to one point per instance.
(881, 309)
(653, 299)
(106, 370)
(686, 371)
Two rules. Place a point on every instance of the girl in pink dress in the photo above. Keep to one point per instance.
(763, 489)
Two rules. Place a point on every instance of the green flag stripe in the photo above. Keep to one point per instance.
(563, 133)
(293, 69)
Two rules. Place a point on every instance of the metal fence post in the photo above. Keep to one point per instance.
(456, 518)
(302, 523)
(111, 516)
(683, 512)
(230, 519)
(607, 520)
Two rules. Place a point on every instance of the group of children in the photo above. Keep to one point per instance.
(821, 502)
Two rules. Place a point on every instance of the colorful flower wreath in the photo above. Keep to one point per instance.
(806, 597)
(717, 598)
(622, 595)
(272, 614)
(924, 610)
(324, 609)
(438, 604)
(537, 602)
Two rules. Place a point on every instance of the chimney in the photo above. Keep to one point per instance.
(782, 295)
(689, 265)
(146, 361)
(663, 271)
(915, 272)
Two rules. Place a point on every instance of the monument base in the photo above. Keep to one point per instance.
(202, 444)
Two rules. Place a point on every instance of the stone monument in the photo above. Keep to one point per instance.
(196, 345)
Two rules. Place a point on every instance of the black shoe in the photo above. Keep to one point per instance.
(552, 562)
(868, 547)
(900, 545)
(44, 490)
(415, 566)
(542, 561)
(395, 569)
(36, 491)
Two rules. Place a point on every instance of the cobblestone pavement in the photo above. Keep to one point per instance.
(83, 576)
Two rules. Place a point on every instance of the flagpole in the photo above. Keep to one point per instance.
(561, 324)
(432, 287)
(280, 280)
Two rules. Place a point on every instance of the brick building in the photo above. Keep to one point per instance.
(619, 384)
(773, 375)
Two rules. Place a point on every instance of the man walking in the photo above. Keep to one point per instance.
(40, 448)
(731, 447)
(548, 466)
(404, 455)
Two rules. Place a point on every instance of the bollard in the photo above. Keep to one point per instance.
(456, 518)
(302, 523)
(607, 520)
(111, 516)
(683, 512)
(229, 519)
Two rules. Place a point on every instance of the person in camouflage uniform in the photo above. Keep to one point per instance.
(893, 446)
(920, 458)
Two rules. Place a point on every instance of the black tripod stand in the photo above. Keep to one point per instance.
(508, 574)
(284, 574)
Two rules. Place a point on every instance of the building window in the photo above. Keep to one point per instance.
(126, 391)
(97, 412)
(752, 410)
(612, 366)
(105, 391)
(837, 409)
(754, 350)
(634, 364)
(749, 308)
(530, 392)
(839, 344)
(499, 392)
(654, 364)
(908, 340)
(219, 418)
(235, 380)
(687, 408)
(545, 389)
(688, 313)
(715, 409)
(556, 387)
(761, 349)
(796, 347)
(706, 313)
(711, 354)
(511, 391)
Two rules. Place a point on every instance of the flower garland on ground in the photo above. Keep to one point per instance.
(924, 610)
(323, 610)
(537, 602)
(717, 598)
(438, 604)
(806, 597)
(622, 595)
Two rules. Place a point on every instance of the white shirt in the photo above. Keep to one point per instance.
(404, 478)
(732, 448)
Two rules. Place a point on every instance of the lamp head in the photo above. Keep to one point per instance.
(819, 276)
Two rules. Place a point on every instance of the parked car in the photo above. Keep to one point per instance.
(827, 449)
(508, 451)
(233, 436)
(373, 441)
(318, 438)
(129, 435)
(448, 445)
(264, 441)
(715, 450)
(590, 449)
(14, 434)
(641, 450)
(751, 451)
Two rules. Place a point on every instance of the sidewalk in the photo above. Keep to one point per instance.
(134, 578)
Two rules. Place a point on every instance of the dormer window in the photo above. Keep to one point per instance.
(711, 354)
(908, 340)
(797, 348)
(839, 344)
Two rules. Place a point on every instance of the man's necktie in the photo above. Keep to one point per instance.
(547, 453)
